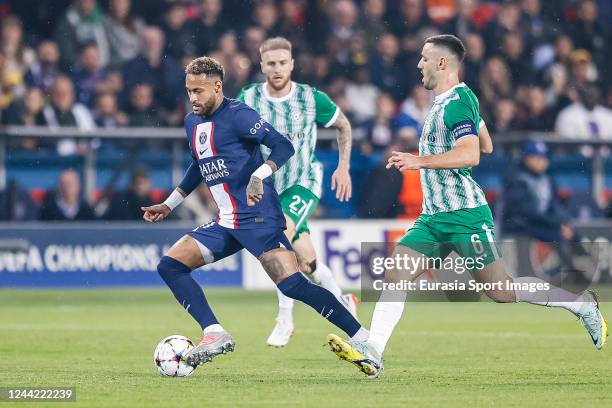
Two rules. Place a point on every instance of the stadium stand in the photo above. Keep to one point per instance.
(529, 61)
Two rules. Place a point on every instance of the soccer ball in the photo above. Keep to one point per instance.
(168, 357)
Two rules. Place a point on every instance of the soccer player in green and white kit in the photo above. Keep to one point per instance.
(295, 110)
(455, 213)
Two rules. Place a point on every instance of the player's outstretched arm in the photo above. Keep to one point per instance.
(466, 153)
(191, 180)
(159, 212)
(341, 178)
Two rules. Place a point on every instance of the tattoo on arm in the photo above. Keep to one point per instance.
(181, 192)
(272, 165)
(345, 138)
(255, 186)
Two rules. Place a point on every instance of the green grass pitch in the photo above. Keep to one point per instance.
(442, 354)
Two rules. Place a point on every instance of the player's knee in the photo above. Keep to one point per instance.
(170, 269)
(501, 296)
(308, 267)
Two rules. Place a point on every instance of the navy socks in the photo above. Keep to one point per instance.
(186, 290)
(323, 301)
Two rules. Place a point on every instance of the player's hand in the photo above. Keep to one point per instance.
(255, 191)
(404, 161)
(341, 183)
(155, 213)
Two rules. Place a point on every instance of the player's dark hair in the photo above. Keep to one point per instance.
(450, 42)
(205, 66)
(275, 43)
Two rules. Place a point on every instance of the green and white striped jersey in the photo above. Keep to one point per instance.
(454, 115)
(296, 116)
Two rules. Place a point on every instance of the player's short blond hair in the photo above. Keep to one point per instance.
(275, 43)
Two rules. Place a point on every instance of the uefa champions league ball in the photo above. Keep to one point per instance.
(168, 357)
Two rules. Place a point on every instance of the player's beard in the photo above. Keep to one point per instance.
(208, 106)
(281, 85)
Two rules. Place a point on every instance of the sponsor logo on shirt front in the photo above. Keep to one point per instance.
(213, 170)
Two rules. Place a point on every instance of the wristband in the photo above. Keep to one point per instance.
(174, 199)
(262, 172)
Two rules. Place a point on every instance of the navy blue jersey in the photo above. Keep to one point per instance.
(226, 148)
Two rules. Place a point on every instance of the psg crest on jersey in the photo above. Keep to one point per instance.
(203, 137)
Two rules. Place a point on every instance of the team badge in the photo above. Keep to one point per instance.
(203, 137)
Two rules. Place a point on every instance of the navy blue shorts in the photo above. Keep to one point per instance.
(217, 242)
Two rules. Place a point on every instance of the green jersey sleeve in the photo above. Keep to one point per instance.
(461, 119)
(241, 94)
(326, 110)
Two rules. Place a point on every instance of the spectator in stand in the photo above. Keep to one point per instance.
(531, 203)
(386, 73)
(557, 74)
(63, 111)
(227, 47)
(410, 19)
(582, 69)
(179, 41)
(380, 193)
(238, 74)
(382, 130)
(506, 21)
(161, 72)
(9, 82)
(252, 39)
(266, 16)
(27, 112)
(361, 94)
(66, 202)
(124, 31)
(207, 30)
(461, 23)
(81, 24)
(88, 76)
(504, 116)
(474, 60)
(418, 104)
(126, 205)
(372, 22)
(587, 33)
(107, 114)
(344, 19)
(141, 110)
(536, 115)
(585, 118)
(520, 66)
(292, 22)
(16, 204)
(495, 83)
(44, 71)
(533, 25)
(17, 56)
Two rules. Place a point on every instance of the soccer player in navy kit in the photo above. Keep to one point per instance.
(224, 137)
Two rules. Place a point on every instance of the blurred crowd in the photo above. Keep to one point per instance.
(536, 65)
